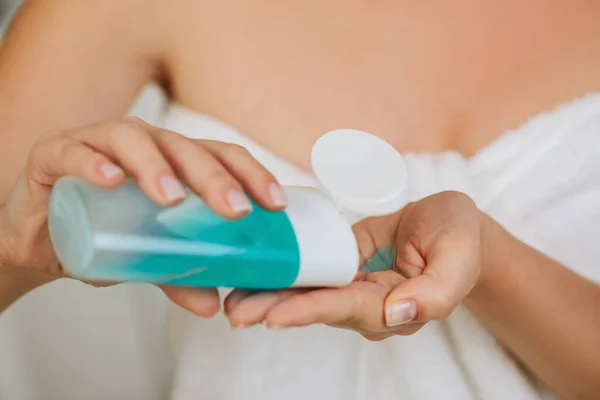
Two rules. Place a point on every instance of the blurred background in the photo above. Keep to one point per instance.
(7, 7)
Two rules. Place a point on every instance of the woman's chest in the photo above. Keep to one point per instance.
(425, 76)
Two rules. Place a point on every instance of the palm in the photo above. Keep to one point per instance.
(418, 265)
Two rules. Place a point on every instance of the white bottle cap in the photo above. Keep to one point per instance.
(361, 173)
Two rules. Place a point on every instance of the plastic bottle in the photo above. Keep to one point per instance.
(120, 235)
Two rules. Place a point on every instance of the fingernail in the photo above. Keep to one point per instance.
(238, 201)
(111, 170)
(172, 188)
(240, 326)
(278, 195)
(400, 313)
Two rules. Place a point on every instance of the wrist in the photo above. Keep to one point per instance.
(496, 246)
(14, 281)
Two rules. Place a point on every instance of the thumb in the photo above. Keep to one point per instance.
(449, 275)
(418, 299)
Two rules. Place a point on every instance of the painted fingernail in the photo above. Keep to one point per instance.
(111, 171)
(400, 313)
(238, 201)
(172, 188)
(278, 195)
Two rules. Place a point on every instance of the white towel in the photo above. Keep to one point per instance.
(541, 181)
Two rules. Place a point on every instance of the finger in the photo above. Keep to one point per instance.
(375, 336)
(409, 329)
(204, 174)
(234, 298)
(358, 305)
(246, 308)
(203, 302)
(404, 330)
(409, 261)
(128, 142)
(448, 277)
(254, 177)
(96, 284)
(61, 155)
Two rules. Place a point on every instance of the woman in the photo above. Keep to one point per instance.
(427, 78)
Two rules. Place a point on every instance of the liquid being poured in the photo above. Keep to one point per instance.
(383, 260)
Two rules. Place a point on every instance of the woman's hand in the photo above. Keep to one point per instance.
(104, 155)
(418, 265)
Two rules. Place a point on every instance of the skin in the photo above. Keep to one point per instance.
(100, 153)
(426, 77)
(448, 252)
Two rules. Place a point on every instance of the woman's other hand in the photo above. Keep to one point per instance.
(418, 265)
(104, 154)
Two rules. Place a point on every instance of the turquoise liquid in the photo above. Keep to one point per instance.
(186, 245)
(383, 259)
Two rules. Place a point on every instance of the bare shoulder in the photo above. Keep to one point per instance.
(67, 63)
(131, 24)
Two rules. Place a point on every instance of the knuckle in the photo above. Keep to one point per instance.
(46, 140)
(235, 150)
(134, 122)
(47, 151)
(167, 135)
(32, 172)
(216, 178)
(128, 126)
(178, 143)
(175, 137)
(460, 198)
(61, 148)
(409, 254)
